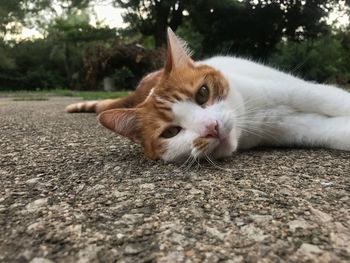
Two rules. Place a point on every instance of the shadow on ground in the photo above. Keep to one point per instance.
(71, 191)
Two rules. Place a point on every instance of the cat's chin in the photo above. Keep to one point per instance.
(225, 148)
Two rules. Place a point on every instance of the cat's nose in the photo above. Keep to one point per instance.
(212, 130)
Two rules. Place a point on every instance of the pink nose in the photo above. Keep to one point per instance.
(211, 130)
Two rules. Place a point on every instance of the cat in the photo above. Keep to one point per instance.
(212, 108)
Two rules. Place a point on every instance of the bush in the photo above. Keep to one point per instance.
(323, 60)
(32, 67)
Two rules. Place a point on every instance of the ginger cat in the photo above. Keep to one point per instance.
(214, 107)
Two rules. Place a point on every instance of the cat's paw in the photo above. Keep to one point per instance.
(72, 108)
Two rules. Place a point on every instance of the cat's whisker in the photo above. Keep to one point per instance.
(185, 162)
(186, 166)
(260, 133)
(264, 134)
(257, 122)
(210, 161)
(248, 108)
(198, 163)
(214, 164)
(191, 162)
(251, 132)
(259, 114)
(258, 127)
(245, 104)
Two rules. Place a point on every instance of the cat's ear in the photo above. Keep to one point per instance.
(121, 121)
(178, 54)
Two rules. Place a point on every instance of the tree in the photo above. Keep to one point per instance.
(315, 60)
(33, 68)
(70, 36)
(19, 10)
(126, 64)
(152, 17)
(57, 59)
(254, 28)
(245, 26)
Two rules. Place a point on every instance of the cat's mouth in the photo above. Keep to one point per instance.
(211, 144)
(217, 145)
(224, 148)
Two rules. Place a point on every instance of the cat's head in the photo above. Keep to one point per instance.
(189, 112)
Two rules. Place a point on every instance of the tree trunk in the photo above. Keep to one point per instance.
(166, 15)
(162, 12)
(67, 64)
(160, 37)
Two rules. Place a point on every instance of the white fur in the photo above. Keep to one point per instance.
(264, 107)
(150, 94)
(192, 118)
(285, 110)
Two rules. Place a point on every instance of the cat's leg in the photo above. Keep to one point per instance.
(134, 98)
(99, 106)
(86, 106)
(321, 99)
(311, 130)
(95, 106)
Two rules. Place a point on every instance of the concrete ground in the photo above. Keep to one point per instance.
(71, 191)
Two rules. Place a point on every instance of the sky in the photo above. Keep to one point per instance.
(107, 14)
(340, 18)
(112, 17)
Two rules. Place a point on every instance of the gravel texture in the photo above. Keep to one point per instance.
(71, 191)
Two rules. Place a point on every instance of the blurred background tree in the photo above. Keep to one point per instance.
(153, 17)
(75, 51)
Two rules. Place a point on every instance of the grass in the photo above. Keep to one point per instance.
(91, 95)
(31, 98)
(42, 95)
(46, 94)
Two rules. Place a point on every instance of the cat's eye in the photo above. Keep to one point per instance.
(202, 95)
(170, 132)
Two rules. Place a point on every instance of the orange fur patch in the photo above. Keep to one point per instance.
(200, 143)
(180, 80)
(180, 85)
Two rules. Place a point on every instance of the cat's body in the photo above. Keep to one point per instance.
(283, 110)
(216, 106)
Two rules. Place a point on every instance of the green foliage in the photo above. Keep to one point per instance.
(6, 61)
(85, 95)
(122, 78)
(76, 29)
(45, 94)
(32, 67)
(290, 34)
(152, 18)
(69, 37)
(31, 97)
(244, 27)
(93, 95)
(55, 61)
(254, 28)
(192, 37)
(325, 59)
(17, 10)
